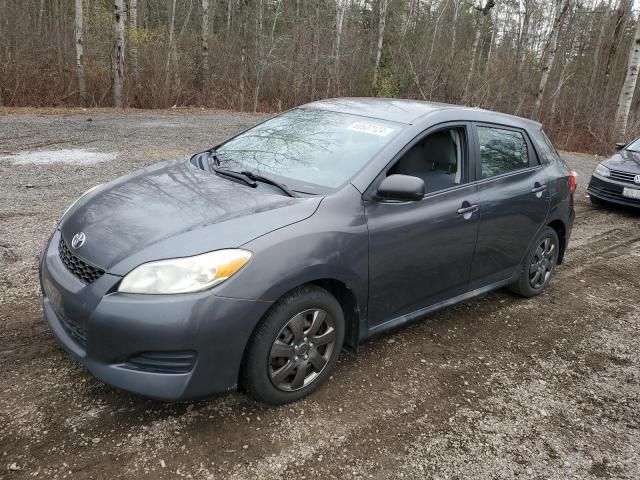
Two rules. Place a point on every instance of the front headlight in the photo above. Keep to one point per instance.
(184, 275)
(78, 199)
(602, 170)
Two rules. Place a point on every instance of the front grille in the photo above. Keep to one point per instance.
(623, 176)
(163, 362)
(76, 332)
(609, 191)
(81, 269)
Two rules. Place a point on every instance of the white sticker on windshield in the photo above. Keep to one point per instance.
(372, 128)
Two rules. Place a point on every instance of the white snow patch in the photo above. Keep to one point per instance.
(74, 156)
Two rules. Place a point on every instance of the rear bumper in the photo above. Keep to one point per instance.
(611, 191)
(169, 347)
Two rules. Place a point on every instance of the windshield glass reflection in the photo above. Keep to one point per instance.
(635, 146)
(311, 147)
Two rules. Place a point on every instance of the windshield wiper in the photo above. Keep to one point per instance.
(240, 177)
(245, 176)
(270, 181)
(224, 172)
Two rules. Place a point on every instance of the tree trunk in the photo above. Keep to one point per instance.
(205, 45)
(133, 23)
(408, 17)
(383, 18)
(552, 45)
(598, 50)
(316, 53)
(340, 12)
(494, 33)
(624, 8)
(521, 51)
(243, 53)
(118, 57)
(434, 37)
(79, 38)
(40, 15)
(484, 13)
(260, 61)
(629, 86)
(241, 80)
(170, 53)
(229, 9)
(454, 28)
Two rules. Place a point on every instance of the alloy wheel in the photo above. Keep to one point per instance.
(542, 263)
(302, 349)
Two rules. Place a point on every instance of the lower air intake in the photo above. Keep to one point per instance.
(163, 362)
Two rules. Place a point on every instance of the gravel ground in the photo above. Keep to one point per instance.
(497, 387)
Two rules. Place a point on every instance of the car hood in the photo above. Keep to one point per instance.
(624, 160)
(175, 209)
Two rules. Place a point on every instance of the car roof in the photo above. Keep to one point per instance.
(407, 111)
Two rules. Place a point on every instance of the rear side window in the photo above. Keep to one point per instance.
(546, 148)
(501, 151)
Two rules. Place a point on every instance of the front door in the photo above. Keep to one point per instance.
(420, 252)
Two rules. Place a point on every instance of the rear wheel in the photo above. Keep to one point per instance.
(539, 264)
(294, 347)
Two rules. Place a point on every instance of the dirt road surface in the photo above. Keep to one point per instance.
(497, 387)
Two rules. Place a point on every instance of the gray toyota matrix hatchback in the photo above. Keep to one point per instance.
(256, 262)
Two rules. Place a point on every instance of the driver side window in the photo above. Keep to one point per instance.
(437, 159)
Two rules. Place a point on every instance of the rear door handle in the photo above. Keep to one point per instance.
(538, 189)
(467, 211)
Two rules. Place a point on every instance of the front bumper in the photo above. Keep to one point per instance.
(611, 191)
(169, 347)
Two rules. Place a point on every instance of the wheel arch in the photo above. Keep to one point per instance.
(348, 301)
(561, 231)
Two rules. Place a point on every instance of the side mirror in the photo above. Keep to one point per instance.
(620, 146)
(401, 187)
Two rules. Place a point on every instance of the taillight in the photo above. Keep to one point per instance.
(572, 180)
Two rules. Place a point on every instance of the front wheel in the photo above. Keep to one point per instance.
(294, 347)
(539, 264)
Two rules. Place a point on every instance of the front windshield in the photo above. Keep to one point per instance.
(634, 146)
(308, 148)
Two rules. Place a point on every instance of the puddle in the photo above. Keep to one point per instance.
(72, 156)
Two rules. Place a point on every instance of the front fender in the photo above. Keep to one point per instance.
(331, 244)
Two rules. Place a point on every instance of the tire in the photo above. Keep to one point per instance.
(282, 363)
(539, 264)
(597, 202)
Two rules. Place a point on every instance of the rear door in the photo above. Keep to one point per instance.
(513, 194)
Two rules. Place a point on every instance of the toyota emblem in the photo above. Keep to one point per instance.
(78, 240)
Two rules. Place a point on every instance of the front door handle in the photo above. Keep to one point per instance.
(538, 189)
(467, 210)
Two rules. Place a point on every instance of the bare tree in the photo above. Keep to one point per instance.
(171, 50)
(629, 86)
(263, 61)
(133, 48)
(562, 6)
(483, 13)
(205, 42)
(382, 11)
(623, 10)
(79, 39)
(118, 54)
(340, 13)
(521, 49)
(487, 52)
